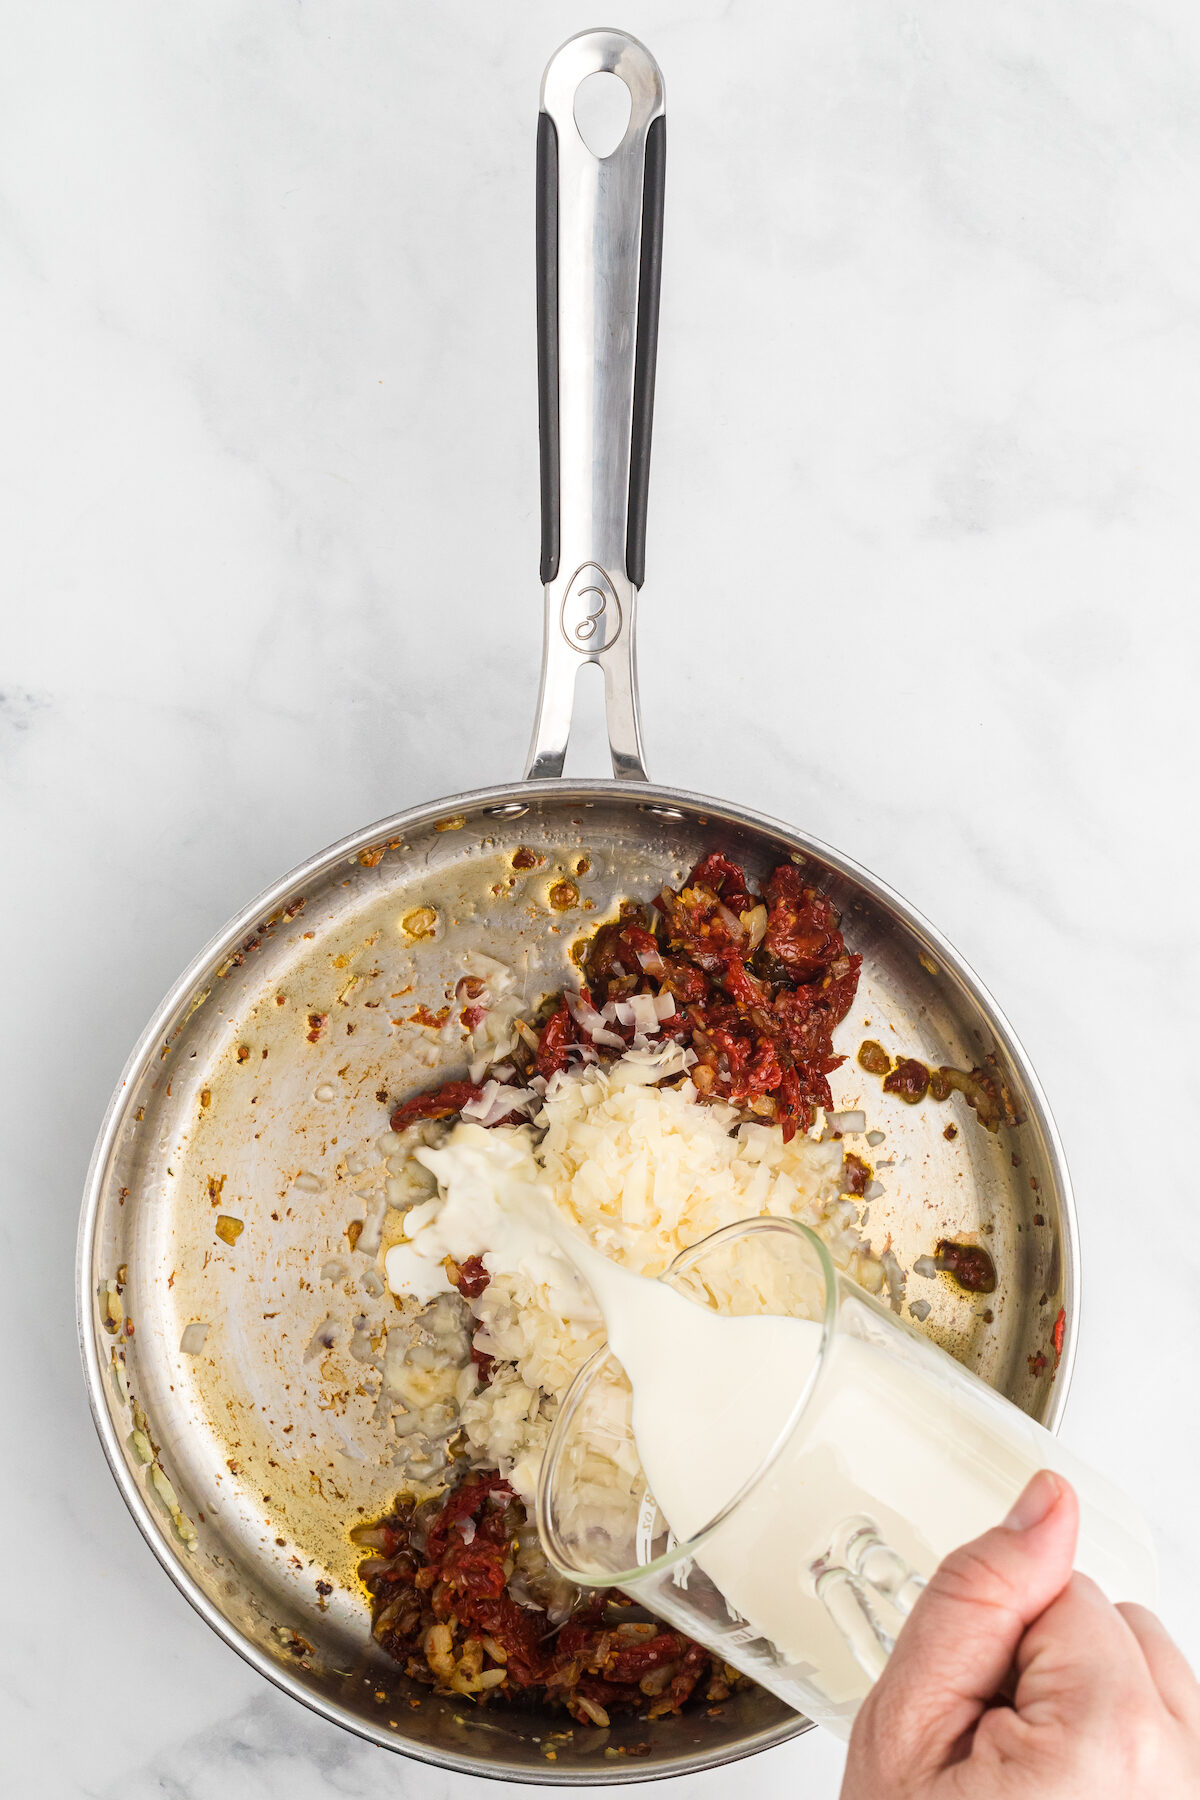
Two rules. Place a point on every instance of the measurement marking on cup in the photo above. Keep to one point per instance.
(645, 1532)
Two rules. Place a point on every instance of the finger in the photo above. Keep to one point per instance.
(1079, 1659)
(956, 1649)
(1169, 1668)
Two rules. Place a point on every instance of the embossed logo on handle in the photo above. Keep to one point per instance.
(591, 612)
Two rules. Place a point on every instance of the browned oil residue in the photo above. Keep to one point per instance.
(873, 1058)
(420, 923)
(909, 1080)
(564, 895)
(969, 1264)
(856, 1174)
(431, 1020)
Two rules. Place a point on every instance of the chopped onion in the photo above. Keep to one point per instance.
(664, 1006)
(874, 1138)
(192, 1341)
(731, 919)
(755, 922)
(919, 1309)
(163, 1488)
(845, 1121)
(926, 1266)
(498, 975)
(652, 962)
(893, 1274)
(371, 1235)
(323, 1338)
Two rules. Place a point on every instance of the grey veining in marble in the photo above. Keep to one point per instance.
(927, 458)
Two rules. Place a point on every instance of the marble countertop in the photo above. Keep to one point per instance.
(921, 577)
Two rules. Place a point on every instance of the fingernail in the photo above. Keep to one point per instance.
(1035, 1501)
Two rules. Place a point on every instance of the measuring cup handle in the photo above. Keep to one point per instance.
(867, 1589)
(599, 259)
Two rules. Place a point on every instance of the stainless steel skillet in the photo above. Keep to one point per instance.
(243, 1138)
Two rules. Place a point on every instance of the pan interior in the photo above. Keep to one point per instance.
(262, 1101)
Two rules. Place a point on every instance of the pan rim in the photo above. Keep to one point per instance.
(645, 795)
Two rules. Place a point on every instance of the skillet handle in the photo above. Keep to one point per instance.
(599, 259)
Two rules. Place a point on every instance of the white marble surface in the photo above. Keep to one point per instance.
(927, 458)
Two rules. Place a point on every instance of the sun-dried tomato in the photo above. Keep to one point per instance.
(648, 1653)
(759, 1015)
(470, 1277)
(855, 1174)
(449, 1569)
(436, 1103)
(554, 1045)
(518, 1632)
(970, 1265)
(476, 1569)
(725, 878)
(610, 956)
(737, 980)
(695, 1662)
(466, 1500)
(909, 1080)
(687, 984)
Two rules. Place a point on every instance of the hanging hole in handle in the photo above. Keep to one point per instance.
(602, 107)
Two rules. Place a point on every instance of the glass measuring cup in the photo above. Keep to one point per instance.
(888, 1455)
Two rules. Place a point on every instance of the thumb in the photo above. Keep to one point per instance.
(957, 1648)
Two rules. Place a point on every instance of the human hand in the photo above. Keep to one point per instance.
(1104, 1706)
